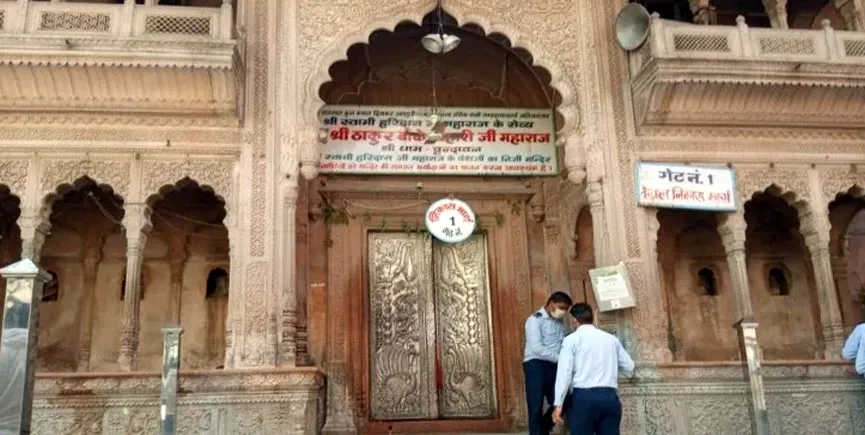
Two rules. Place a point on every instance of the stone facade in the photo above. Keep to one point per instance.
(147, 106)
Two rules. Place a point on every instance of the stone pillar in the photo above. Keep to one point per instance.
(34, 229)
(753, 357)
(703, 11)
(732, 230)
(777, 11)
(853, 12)
(288, 298)
(136, 223)
(176, 262)
(85, 336)
(18, 342)
(815, 228)
(234, 319)
(654, 323)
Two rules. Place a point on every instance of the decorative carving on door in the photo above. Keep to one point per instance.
(426, 296)
(402, 355)
(462, 314)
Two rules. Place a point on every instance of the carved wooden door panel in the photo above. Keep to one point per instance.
(402, 323)
(429, 301)
(463, 329)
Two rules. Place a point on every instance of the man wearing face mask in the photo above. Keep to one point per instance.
(545, 330)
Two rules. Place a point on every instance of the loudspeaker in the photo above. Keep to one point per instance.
(632, 26)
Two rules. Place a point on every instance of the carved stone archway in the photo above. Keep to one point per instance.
(414, 11)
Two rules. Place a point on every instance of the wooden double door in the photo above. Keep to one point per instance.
(431, 350)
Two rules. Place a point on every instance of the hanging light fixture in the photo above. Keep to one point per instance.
(440, 42)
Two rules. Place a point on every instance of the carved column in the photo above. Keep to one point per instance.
(136, 223)
(234, 319)
(815, 228)
(603, 256)
(288, 298)
(91, 268)
(853, 12)
(656, 345)
(703, 11)
(732, 231)
(35, 227)
(777, 11)
(176, 262)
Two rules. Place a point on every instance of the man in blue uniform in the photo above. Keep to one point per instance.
(854, 348)
(545, 330)
(589, 367)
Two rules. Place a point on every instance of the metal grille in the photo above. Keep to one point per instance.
(854, 48)
(701, 43)
(787, 46)
(169, 24)
(2, 18)
(75, 21)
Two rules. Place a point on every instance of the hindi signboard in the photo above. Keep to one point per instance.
(612, 288)
(671, 185)
(474, 141)
(450, 220)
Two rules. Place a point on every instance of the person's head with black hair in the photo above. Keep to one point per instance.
(583, 313)
(558, 304)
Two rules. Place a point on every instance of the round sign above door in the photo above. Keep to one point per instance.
(450, 220)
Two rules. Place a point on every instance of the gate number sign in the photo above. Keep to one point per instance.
(450, 220)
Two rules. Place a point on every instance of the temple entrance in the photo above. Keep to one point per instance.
(430, 332)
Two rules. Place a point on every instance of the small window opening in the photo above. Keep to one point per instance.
(706, 282)
(217, 283)
(778, 283)
(51, 289)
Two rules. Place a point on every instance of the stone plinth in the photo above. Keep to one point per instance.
(215, 402)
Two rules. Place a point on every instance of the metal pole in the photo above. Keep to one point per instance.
(170, 364)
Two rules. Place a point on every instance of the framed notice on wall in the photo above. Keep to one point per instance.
(612, 288)
(674, 185)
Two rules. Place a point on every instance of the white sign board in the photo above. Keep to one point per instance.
(472, 141)
(671, 185)
(612, 288)
(450, 220)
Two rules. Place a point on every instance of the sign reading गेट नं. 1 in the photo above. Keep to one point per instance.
(671, 185)
(450, 220)
(474, 141)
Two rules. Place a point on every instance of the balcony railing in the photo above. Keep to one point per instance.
(126, 20)
(675, 40)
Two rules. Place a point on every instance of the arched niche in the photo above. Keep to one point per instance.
(847, 248)
(789, 323)
(392, 68)
(695, 279)
(187, 241)
(75, 334)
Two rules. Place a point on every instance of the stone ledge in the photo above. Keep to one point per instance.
(690, 75)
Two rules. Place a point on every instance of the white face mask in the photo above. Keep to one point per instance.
(557, 313)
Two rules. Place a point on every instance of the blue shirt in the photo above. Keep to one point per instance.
(590, 358)
(544, 336)
(854, 348)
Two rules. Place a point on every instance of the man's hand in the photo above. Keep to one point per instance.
(557, 415)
